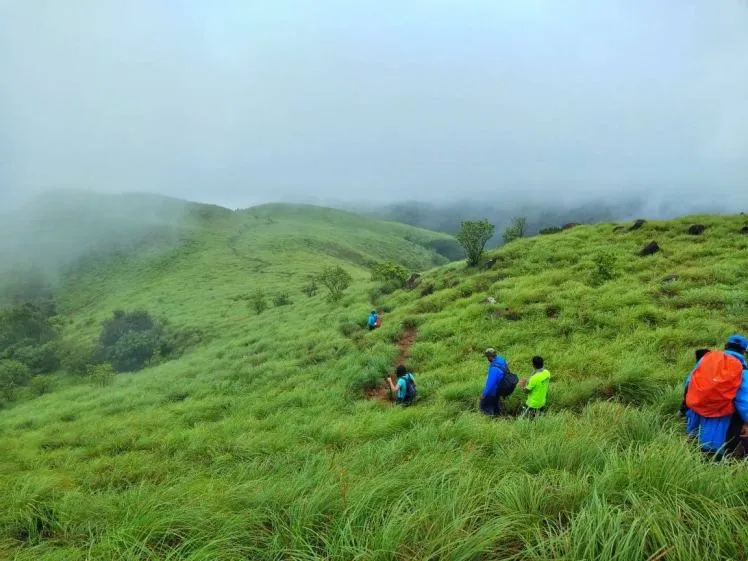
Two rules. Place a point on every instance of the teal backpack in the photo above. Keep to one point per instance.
(410, 389)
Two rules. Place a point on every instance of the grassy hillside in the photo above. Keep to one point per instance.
(260, 442)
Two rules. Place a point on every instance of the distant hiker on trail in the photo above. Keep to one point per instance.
(500, 382)
(405, 388)
(536, 388)
(717, 398)
(373, 322)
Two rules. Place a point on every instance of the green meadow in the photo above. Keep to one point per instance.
(262, 440)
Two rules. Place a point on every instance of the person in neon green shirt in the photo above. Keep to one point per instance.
(536, 388)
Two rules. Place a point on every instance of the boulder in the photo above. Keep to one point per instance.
(696, 229)
(413, 281)
(490, 300)
(638, 224)
(650, 249)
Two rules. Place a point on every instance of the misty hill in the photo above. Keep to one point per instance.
(64, 226)
(60, 227)
(270, 436)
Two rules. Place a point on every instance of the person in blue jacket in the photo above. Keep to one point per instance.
(718, 435)
(372, 323)
(490, 401)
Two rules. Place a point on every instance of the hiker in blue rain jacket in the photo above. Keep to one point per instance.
(490, 401)
(720, 435)
(372, 322)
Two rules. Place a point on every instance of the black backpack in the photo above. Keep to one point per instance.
(410, 389)
(508, 383)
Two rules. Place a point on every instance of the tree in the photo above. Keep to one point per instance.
(516, 229)
(390, 272)
(101, 374)
(13, 375)
(27, 335)
(336, 280)
(473, 236)
(128, 341)
(23, 325)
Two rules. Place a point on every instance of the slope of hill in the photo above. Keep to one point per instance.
(541, 213)
(261, 442)
(61, 227)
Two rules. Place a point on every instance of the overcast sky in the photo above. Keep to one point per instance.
(239, 101)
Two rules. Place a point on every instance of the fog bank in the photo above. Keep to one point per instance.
(239, 103)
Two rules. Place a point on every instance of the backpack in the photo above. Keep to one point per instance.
(714, 384)
(508, 383)
(410, 389)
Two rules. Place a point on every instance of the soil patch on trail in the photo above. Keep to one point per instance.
(404, 343)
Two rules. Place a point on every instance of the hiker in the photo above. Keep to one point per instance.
(405, 388)
(536, 388)
(500, 382)
(717, 399)
(373, 320)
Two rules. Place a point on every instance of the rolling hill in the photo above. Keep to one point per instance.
(269, 438)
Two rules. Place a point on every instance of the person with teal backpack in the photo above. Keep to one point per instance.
(405, 388)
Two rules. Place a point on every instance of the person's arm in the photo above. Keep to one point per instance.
(741, 401)
(401, 384)
(393, 387)
(489, 383)
(493, 380)
(526, 387)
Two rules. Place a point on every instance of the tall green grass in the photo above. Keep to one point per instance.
(259, 443)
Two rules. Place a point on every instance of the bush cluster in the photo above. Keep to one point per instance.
(390, 273)
(517, 229)
(129, 341)
(604, 268)
(282, 299)
(13, 374)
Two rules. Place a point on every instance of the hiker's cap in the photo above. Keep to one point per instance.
(490, 351)
(738, 340)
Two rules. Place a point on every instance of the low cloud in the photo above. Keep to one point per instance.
(238, 103)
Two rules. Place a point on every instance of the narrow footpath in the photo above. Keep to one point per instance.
(403, 345)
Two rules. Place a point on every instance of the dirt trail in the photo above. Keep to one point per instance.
(403, 344)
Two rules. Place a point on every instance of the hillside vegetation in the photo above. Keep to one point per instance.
(268, 439)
